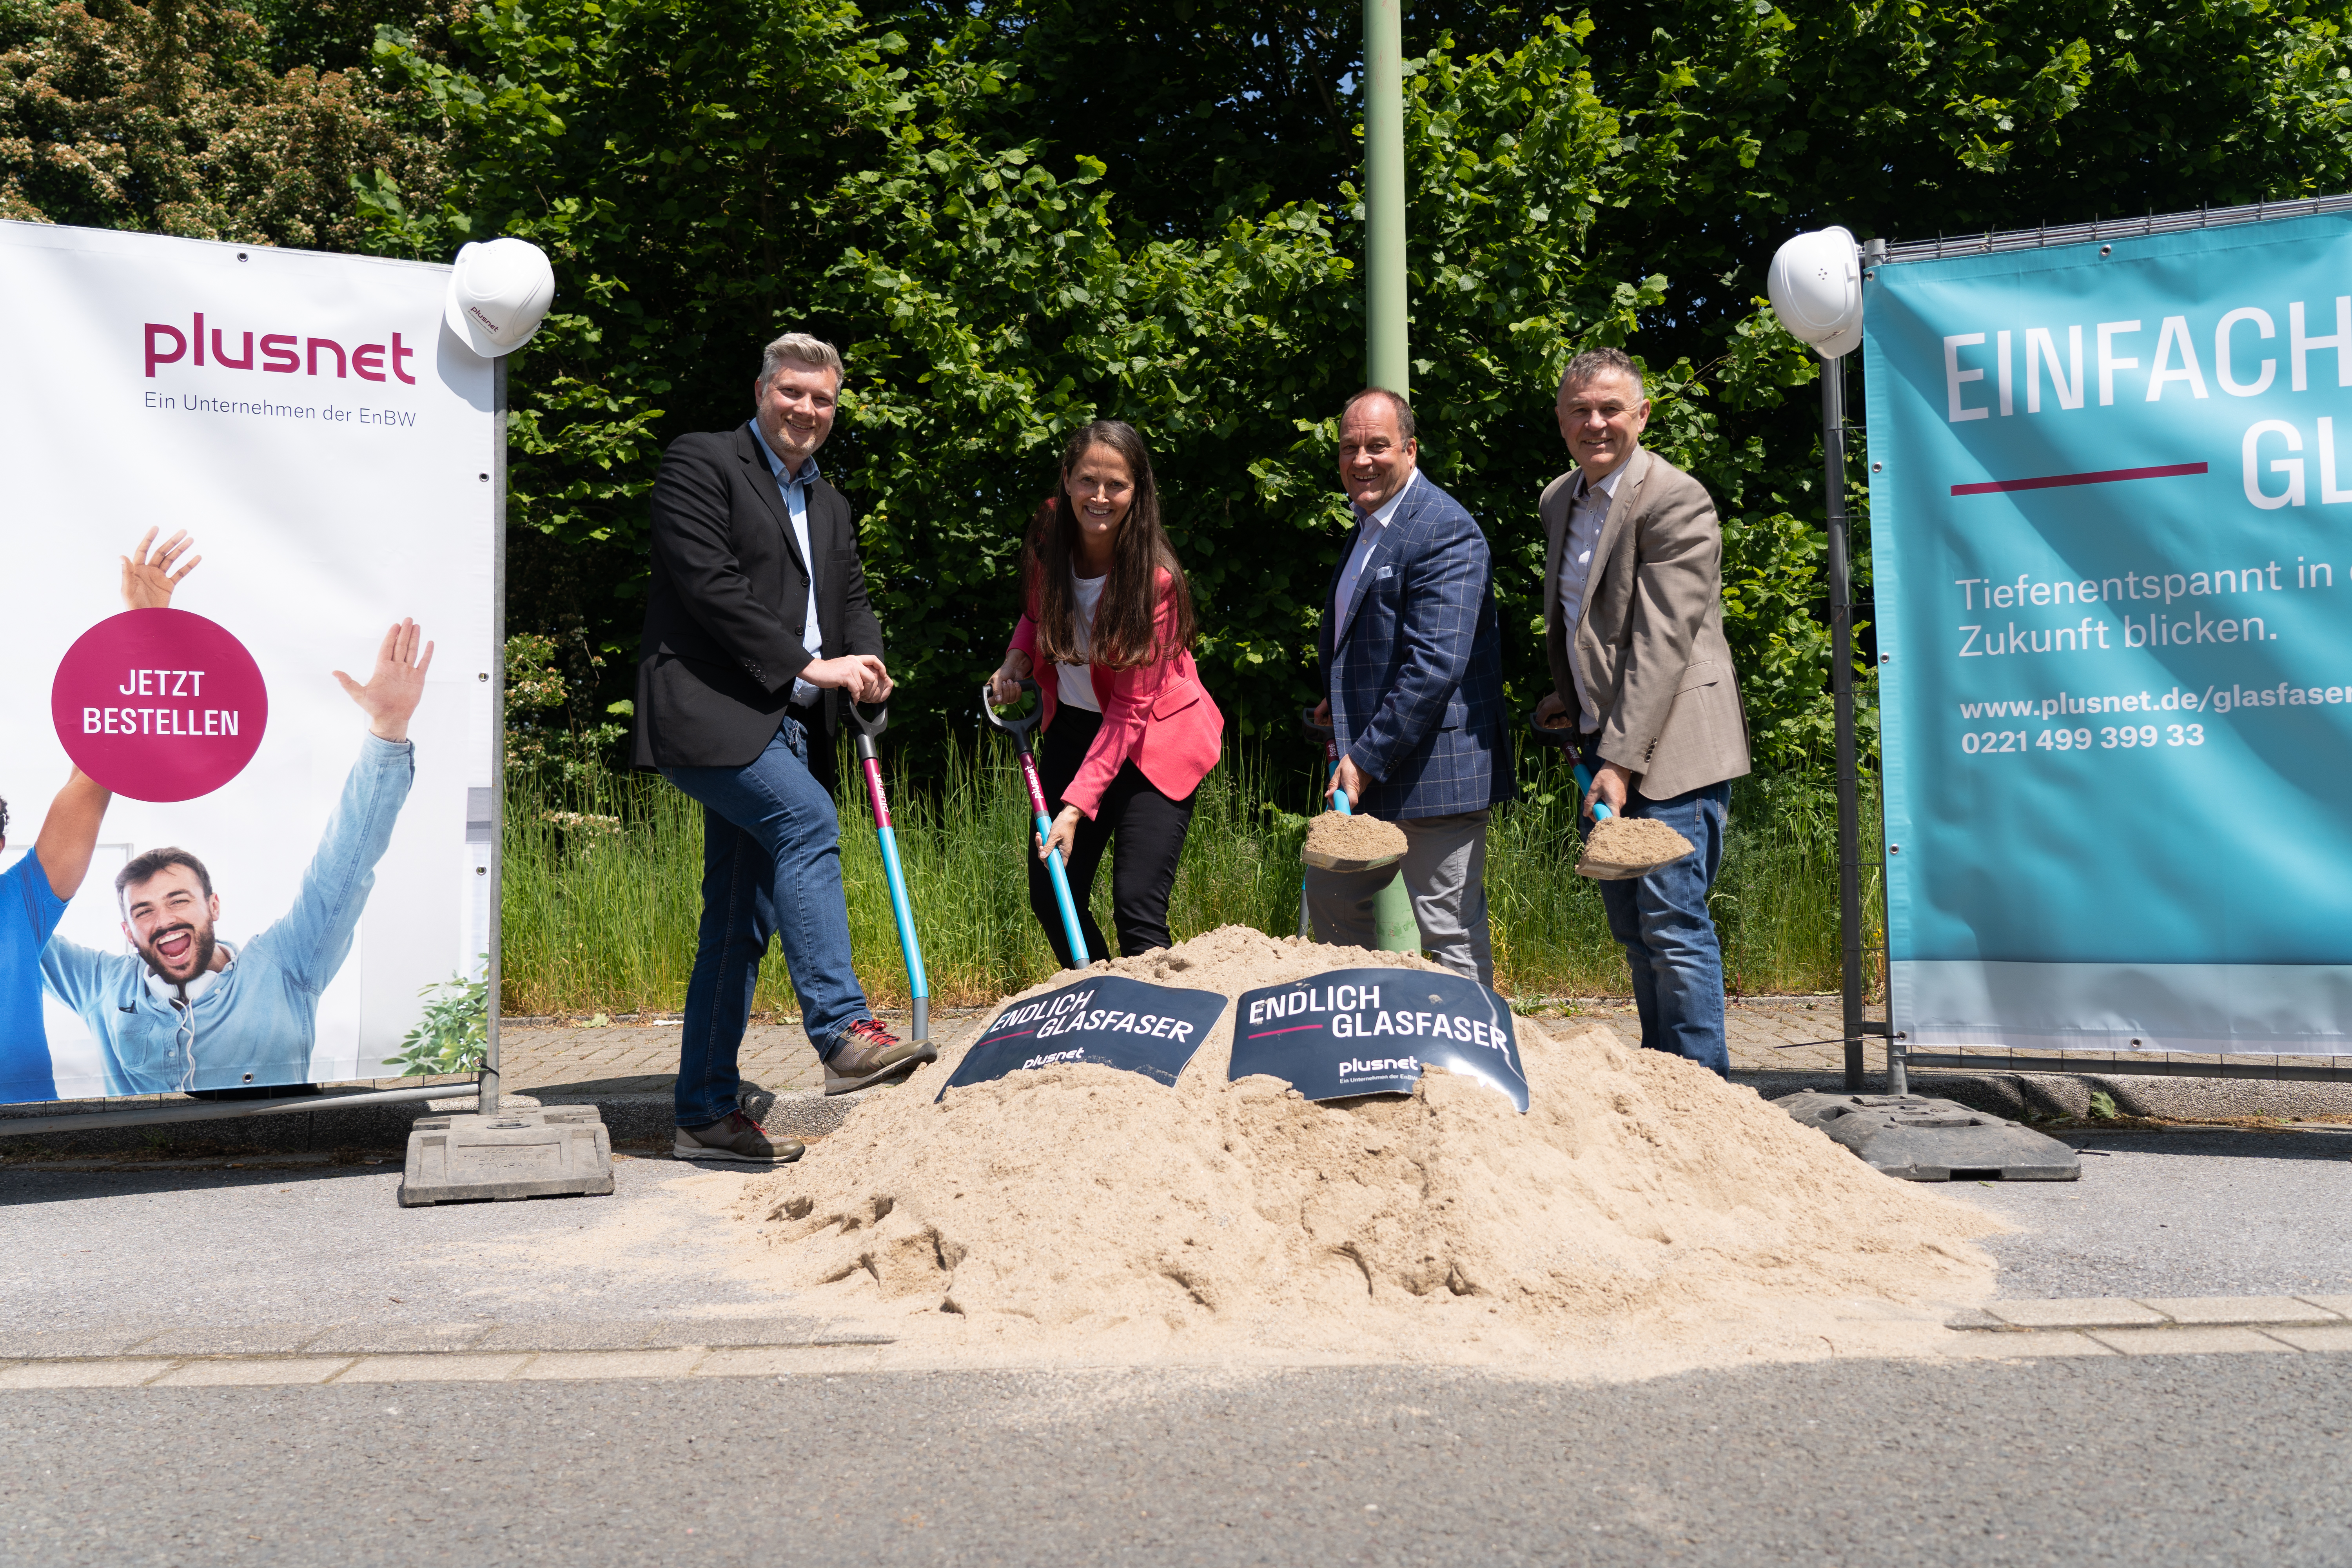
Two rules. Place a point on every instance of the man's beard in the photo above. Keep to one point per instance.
(204, 951)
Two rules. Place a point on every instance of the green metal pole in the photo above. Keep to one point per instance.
(1387, 357)
(1388, 360)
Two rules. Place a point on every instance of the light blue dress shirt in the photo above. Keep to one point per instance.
(1586, 513)
(795, 489)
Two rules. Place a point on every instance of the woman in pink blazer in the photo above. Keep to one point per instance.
(1129, 731)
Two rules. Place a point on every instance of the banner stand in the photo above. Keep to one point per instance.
(486, 1096)
(485, 1087)
(214, 1111)
(1849, 805)
(1875, 254)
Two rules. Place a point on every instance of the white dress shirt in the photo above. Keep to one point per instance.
(1366, 536)
(1588, 509)
(795, 489)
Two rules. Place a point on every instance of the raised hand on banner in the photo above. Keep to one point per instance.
(147, 575)
(397, 683)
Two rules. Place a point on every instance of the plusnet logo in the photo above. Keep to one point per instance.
(280, 353)
(1354, 1067)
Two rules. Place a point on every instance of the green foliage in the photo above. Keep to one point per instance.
(991, 303)
(171, 118)
(453, 1032)
(603, 872)
(544, 730)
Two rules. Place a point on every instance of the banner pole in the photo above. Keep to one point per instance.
(487, 1098)
(1842, 697)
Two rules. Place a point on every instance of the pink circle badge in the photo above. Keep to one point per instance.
(159, 705)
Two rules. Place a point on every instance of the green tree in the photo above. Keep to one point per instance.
(169, 118)
(852, 182)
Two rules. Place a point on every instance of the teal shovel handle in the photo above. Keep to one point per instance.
(1062, 900)
(1584, 782)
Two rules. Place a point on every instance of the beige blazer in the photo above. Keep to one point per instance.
(1648, 640)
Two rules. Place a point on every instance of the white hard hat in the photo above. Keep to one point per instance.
(499, 292)
(1816, 289)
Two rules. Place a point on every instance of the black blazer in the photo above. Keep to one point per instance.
(729, 603)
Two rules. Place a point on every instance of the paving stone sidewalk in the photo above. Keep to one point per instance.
(633, 1057)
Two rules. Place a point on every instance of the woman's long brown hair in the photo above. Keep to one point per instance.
(1125, 633)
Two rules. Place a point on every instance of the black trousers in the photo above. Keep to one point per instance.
(1150, 828)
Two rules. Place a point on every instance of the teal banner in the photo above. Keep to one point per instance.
(2111, 524)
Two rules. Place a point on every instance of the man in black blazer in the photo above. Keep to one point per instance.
(757, 630)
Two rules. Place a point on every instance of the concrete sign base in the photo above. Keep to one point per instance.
(557, 1152)
(1916, 1139)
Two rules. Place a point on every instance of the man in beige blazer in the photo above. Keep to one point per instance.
(1641, 676)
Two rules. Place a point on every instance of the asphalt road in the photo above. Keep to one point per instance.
(331, 1244)
(2164, 1214)
(2192, 1459)
(2182, 1214)
(2171, 1459)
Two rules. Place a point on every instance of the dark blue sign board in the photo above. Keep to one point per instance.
(1110, 1022)
(1370, 1031)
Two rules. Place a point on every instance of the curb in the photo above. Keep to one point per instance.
(2015, 1096)
(629, 1119)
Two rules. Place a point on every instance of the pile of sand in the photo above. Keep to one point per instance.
(1630, 843)
(1642, 1214)
(1342, 835)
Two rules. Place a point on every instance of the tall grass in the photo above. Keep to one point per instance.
(603, 872)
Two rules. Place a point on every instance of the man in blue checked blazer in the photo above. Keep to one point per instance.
(1413, 677)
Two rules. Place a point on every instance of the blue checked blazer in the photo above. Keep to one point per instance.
(1414, 667)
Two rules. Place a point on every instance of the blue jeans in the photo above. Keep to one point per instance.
(1661, 921)
(770, 868)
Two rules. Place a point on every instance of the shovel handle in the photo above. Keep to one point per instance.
(1010, 726)
(870, 728)
(1600, 813)
(1557, 735)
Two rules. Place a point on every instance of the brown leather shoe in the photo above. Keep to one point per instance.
(736, 1138)
(868, 1054)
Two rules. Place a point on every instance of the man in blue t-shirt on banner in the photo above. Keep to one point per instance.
(33, 892)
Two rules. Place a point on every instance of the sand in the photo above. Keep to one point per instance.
(1630, 843)
(1344, 836)
(1643, 1216)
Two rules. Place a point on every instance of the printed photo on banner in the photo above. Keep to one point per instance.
(246, 703)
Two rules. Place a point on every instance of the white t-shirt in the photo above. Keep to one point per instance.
(1077, 686)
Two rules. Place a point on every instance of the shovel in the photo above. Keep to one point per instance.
(1320, 858)
(1019, 730)
(1602, 861)
(901, 907)
(1394, 929)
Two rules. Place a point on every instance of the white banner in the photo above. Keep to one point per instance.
(332, 451)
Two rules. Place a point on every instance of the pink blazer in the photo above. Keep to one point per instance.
(1157, 716)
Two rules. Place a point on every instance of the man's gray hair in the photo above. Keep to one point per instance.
(799, 348)
(1600, 361)
(1403, 409)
